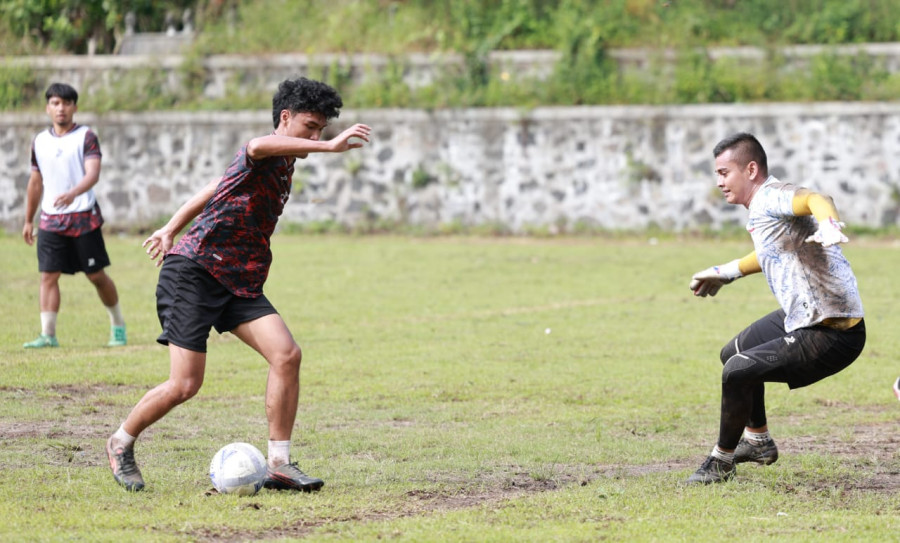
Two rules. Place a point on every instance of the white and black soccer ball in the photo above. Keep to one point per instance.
(238, 468)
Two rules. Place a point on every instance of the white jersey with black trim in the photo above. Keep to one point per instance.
(60, 159)
(812, 283)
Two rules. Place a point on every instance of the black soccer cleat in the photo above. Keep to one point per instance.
(124, 469)
(289, 477)
(712, 470)
(764, 454)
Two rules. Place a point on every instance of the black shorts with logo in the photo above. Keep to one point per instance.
(190, 301)
(765, 352)
(71, 254)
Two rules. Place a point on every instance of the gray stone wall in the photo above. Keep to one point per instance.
(605, 167)
(248, 73)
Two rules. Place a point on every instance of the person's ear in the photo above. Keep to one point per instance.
(752, 169)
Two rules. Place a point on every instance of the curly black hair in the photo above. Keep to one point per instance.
(304, 95)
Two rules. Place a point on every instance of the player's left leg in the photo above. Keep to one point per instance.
(93, 259)
(106, 290)
(269, 336)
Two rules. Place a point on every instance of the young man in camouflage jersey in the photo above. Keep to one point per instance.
(214, 277)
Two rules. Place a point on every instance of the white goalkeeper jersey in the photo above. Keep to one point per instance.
(812, 283)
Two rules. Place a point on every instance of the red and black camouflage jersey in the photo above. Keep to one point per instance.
(230, 237)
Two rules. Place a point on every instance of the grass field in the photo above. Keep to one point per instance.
(453, 389)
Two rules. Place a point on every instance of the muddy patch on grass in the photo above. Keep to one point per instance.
(866, 461)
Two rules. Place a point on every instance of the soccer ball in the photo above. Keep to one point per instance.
(238, 468)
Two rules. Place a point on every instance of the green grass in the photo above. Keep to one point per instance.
(436, 405)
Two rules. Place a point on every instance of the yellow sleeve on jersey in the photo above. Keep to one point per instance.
(821, 207)
(749, 264)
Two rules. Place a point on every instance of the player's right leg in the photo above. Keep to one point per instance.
(188, 301)
(743, 400)
(55, 254)
(186, 370)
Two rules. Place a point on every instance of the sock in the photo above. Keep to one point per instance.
(48, 323)
(115, 315)
(722, 455)
(123, 438)
(756, 438)
(279, 453)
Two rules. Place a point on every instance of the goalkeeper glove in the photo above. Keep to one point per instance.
(829, 233)
(709, 281)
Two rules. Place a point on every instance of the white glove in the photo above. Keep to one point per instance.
(709, 281)
(829, 233)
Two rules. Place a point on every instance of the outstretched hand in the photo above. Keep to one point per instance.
(829, 233)
(709, 281)
(342, 141)
(158, 244)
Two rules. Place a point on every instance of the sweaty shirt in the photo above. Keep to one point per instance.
(811, 283)
(60, 161)
(230, 238)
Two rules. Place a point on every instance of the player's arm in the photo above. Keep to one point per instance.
(32, 200)
(821, 207)
(275, 145)
(709, 281)
(160, 242)
(91, 176)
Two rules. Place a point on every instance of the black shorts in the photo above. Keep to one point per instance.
(190, 301)
(67, 254)
(764, 352)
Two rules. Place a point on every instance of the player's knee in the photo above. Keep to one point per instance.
(183, 390)
(729, 350)
(98, 278)
(287, 360)
(738, 370)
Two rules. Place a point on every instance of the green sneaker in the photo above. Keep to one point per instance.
(117, 336)
(41, 342)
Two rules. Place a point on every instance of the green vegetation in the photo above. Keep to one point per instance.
(583, 32)
(475, 389)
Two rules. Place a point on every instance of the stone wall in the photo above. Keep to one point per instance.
(248, 73)
(604, 167)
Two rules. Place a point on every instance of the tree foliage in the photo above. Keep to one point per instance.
(70, 25)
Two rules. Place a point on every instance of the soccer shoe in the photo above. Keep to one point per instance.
(289, 477)
(117, 336)
(897, 388)
(712, 470)
(41, 342)
(761, 454)
(124, 468)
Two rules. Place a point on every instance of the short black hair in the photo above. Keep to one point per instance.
(746, 148)
(304, 95)
(62, 90)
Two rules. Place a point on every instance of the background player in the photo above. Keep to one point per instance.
(65, 166)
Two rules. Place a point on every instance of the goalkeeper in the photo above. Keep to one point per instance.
(819, 329)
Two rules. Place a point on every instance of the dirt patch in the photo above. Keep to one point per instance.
(867, 454)
(865, 461)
